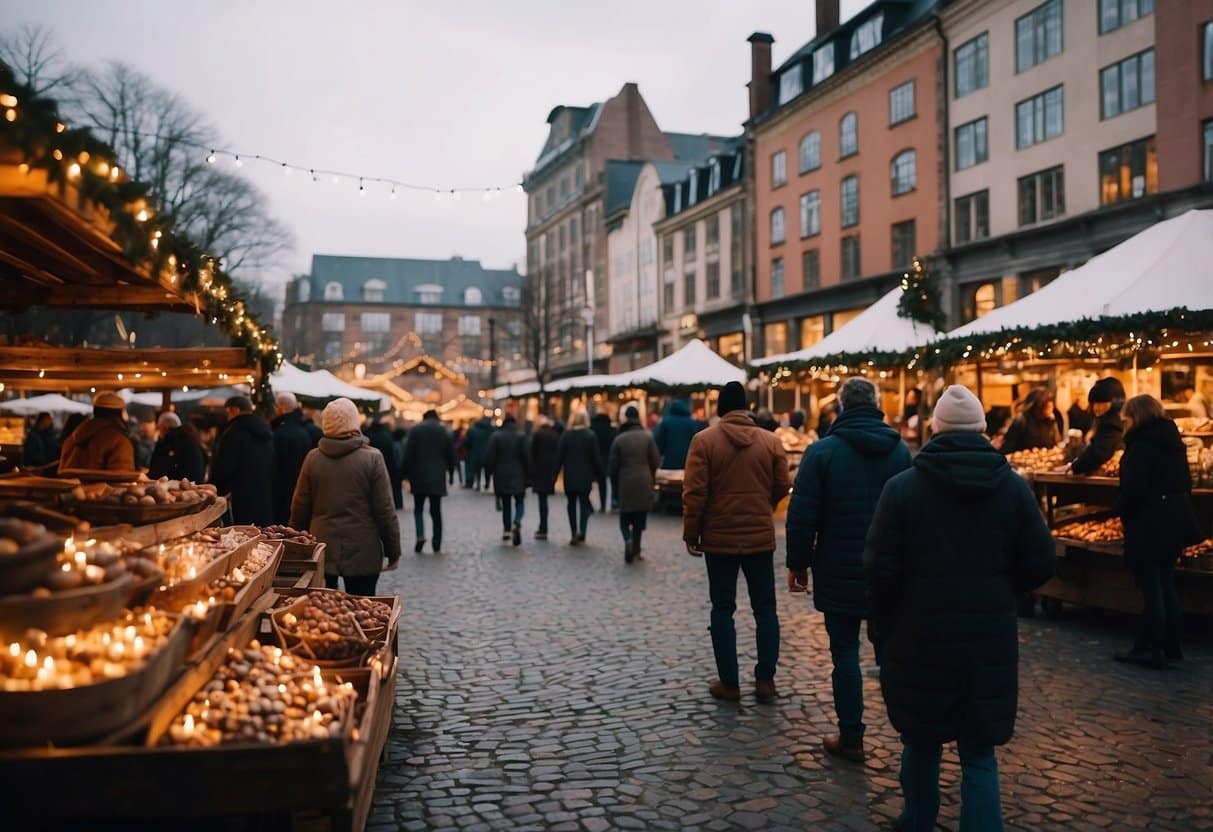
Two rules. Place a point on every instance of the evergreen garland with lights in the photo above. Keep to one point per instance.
(919, 299)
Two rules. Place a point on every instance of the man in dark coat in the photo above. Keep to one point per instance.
(429, 455)
(836, 489)
(1107, 397)
(178, 453)
(292, 441)
(508, 461)
(40, 448)
(605, 431)
(243, 466)
(477, 441)
(380, 438)
(952, 541)
(674, 434)
(544, 444)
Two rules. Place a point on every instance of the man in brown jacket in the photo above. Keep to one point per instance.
(101, 443)
(736, 473)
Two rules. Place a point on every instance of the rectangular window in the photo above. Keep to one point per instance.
(688, 245)
(713, 288)
(972, 144)
(867, 36)
(668, 282)
(376, 321)
(1208, 151)
(775, 337)
(564, 188)
(1116, 13)
(810, 263)
(779, 169)
(850, 201)
(972, 65)
(810, 214)
(904, 241)
(688, 290)
(469, 324)
(579, 176)
(850, 257)
(812, 330)
(973, 217)
(1038, 35)
(1128, 172)
(901, 103)
(332, 322)
(810, 152)
(1207, 52)
(736, 251)
(1127, 85)
(777, 287)
(712, 225)
(551, 196)
(1040, 118)
(1042, 196)
(777, 227)
(427, 323)
(469, 345)
(791, 84)
(823, 63)
(980, 300)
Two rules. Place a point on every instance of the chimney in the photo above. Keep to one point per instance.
(760, 73)
(632, 103)
(827, 17)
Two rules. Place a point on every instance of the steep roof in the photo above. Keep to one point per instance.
(695, 147)
(731, 159)
(403, 276)
(581, 122)
(620, 177)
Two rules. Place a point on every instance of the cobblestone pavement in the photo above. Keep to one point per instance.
(550, 687)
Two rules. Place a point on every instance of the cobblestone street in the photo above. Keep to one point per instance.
(550, 687)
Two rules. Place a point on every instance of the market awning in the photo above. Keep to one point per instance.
(322, 386)
(48, 403)
(877, 334)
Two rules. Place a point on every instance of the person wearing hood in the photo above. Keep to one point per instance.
(736, 473)
(429, 456)
(1107, 397)
(952, 542)
(345, 499)
(837, 486)
(41, 448)
(477, 441)
(605, 431)
(1155, 505)
(100, 443)
(380, 436)
(243, 465)
(632, 465)
(545, 443)
(674, 434)
(508, 461)
(178, 453)
(292, 442)
(1036, 426)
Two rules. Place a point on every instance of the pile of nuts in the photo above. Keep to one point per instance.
(1110, 530)
(289, 535)
(1202, 549)
(184, 558)
(1037, 460)
(162, 492)
(92, 563)
(262, 695)
(105, 651)
(332, 626)
(1111, 468)
(14, 534)
(224, 589)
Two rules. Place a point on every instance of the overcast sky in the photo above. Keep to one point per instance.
(450, 93)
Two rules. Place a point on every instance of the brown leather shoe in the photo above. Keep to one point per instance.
(729, 693)
(764, 691)
(846, 749)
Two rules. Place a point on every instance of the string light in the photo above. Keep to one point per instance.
(210, 158)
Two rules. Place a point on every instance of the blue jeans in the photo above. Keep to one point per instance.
(843, 631)
(435, 516)
(722, 588)
(980, 800)
(519, 507)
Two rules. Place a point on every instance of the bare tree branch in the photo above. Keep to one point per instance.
(39, 63)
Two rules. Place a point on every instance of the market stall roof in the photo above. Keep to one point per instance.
(47, 402)
(322, 386)
(83, 369)
(1161, 273)
(877, 331)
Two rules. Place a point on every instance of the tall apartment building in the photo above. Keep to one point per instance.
(566, 217)
(848, 179)
(1068, 131)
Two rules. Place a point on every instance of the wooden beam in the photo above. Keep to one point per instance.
(84, 384)
(37, 358)
(14, 230)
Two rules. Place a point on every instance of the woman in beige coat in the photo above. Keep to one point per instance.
(344, 497)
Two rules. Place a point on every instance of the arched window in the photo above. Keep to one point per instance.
(904, 172)
(472, 297)
(303, 290)
(372, 291)
(810, 152)
(848, 135)
(333, 291)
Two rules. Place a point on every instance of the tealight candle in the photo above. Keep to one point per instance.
(31, 659)
(14, 650)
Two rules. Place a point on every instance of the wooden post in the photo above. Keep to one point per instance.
(166, 401)
(796, 383)
(980, 396)
(1134, 373)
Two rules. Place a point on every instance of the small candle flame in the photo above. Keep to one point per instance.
(31, 659)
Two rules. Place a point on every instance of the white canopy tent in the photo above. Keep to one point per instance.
(322, 385)
(1166, 266)
(877, 329)
(48, 402)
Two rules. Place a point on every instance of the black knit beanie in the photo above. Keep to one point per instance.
(732, 397)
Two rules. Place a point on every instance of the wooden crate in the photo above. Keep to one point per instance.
(165, 531)
(65, 612)
(256, 587)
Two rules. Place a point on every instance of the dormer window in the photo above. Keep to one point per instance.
(714, 177)
(511, 296)
(429, 294)
(677, 197)
(823, 63)
(867, 37)
(333, 291)
(372, 291)
(303, 290)
(791, 84)
(693, 196)
(472, 296)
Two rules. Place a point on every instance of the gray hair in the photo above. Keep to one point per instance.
(169, 420)
(857, 392)
(286, 401)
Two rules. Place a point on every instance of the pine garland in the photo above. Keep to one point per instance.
(920, 299)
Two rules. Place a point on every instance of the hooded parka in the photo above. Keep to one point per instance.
(99, 444)
(633, 462)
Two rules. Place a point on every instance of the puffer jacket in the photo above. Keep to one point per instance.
(674, 433)
(837, 486)
(632, 462)
(345, 499)
(99, 444)
(736, 473)
(953, 541)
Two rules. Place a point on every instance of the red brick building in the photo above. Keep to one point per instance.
(1184, 79)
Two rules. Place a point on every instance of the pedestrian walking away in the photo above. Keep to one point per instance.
(508, 461)
(736, 473)
(244, 464)
(952, 542)
(292, 442)
(100, 443)
(1155, 505)
(545, 445)
(674, 433)
(606, 433)
(837, 485)
(632, 464)
(40, 448)
(429, 457)
(178, 452)
(380, 436)
(581, 461)
(344, 498)
(477, 442)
